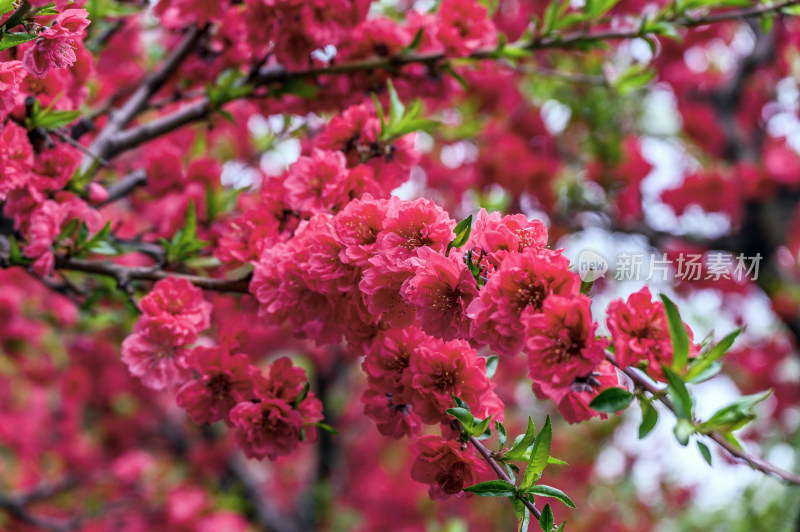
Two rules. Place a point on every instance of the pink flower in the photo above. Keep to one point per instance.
(445, 465)
(318, 183)
(273, 424)
(224, 381)
(152, 355)
(409, 226)
(357, 227)
(55, 47)
(465, 27)
(386, 362)
(561, 344)
(497, 235)
(518, 288)
(178, 307)
(441, 290)
(573, 400)
(269, 427)
(380, 285)
(640, 332)
(11, 75)
(438, 371)
(392, 420)
(16, 158)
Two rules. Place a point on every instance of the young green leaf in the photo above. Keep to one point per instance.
(546, 520)
(549, 491)
(611, 400)
(493, 488)
(735, 415)
(523, 514)
(491, 365)
(683, 430)
(501, 433)
(302, 395)
(539, 455)
(464, 416)
(10, 40)
(324, 426)
(522, 442)
(698, 367)
(649, 418)
(677, 391)
(705, 451)
(677, 331)
(462, 232)
(460, 403)
(481, 430)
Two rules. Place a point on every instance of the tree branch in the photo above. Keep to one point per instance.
(15, 505)
(741, 454)
(125, 274)
(138, 100)
(502, 475)
(121, 141)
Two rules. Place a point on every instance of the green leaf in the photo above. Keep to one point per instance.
(539, 455)
(586, 287)
(501, 433)
(549, 491)
(460, 403)
(6, 6)
(523, 514)
(15, 257)
(649, 418)
(493, 488)
(634, 77)
(683, 430)
(555, 461)
(546, 520)
(705, 451)
(379, 112)
(302, 395)
(10, 40)
(416, 41)
(735, 415)
(324, 426)
(396, 108)
(462, 232)
(464, 416)
(700, 365)
(598, 8)
(611, 400)
(491, 365)
(522, 442)
(55, 119)
(481, 430)
(677, 331)
(681, 399)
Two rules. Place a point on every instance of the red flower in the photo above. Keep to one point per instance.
(465, 27)
(640, 332)
(224, 381)
(440, 370)
(272, 425)
(409, 226)
(177, 306)
(573, 400)
(152, 355)
(561, 344)
(393, 420)
(517, 289)
(441, 290)
(497, 235)
(444, 465)
(55, 47)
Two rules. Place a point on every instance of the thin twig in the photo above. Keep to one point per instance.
(125, 186)
(138, 100)
(125, 140)
(15, 504)
(125, 274)
(502, 475)
(753, 461)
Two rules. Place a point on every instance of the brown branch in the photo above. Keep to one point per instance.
(138, 100)
(502, 475)
(739, 453)
(125, 274)
(125, 186)
(15, 505)
(124, 140)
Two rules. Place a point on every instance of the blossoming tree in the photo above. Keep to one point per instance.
(294, 265)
